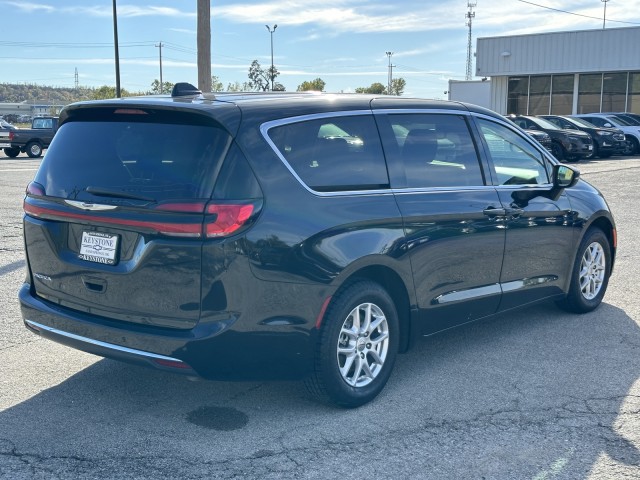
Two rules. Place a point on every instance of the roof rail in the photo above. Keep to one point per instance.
(184, 89)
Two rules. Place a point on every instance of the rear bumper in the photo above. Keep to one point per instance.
(213, 350)
(104, 349)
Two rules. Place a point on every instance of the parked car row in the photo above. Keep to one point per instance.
(574, 137)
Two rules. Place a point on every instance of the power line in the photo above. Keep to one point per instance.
(573, 13)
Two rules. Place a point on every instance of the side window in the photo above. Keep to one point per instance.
(599, 122)
(515, 160)
(236, 179)
(332, 154)
(433, 150)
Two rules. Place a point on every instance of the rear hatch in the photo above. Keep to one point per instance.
(117, 214)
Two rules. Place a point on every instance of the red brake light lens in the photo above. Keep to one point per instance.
(35, 188)
(229, 218)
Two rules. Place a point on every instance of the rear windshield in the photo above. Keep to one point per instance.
(107, 161)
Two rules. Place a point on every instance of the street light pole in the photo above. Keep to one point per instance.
(271, 33)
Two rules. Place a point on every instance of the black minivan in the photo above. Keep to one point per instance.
(298, 236)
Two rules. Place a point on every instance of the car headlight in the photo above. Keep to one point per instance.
(604, 134)
(574, 139)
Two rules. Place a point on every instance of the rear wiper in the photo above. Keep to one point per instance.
(103, 192)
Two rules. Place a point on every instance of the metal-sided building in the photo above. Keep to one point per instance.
(563, 73)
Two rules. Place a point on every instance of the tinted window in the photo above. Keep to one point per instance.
(153, 160)
(236, 180)
(433, 150)
(599, 122)
(335, 153)
(515, 160)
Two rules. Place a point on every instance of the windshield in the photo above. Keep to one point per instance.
(545, 124)
(582, 123)
(628, 120)
(617, 121)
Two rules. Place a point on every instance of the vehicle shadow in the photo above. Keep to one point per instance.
(534, 394)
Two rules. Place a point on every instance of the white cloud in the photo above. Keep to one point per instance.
(104, 10)
(183, 30)
(353, 17)
(29, 7)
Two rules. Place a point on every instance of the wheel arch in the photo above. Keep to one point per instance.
(606, 225)
(392, 282)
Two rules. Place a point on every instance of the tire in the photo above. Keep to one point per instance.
(357, 346)
(558, 151)
(12, 152)
(595, 152)
(634, 146)
(628, 148)
(34, 149)
(590, 275)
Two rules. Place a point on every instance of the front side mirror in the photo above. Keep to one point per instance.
(565, 176)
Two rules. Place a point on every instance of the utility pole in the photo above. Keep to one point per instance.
(76, 79)
(161, 84)
(115, 42)
(390, 73)
(470, 15)
(204, 45)
(604, 17)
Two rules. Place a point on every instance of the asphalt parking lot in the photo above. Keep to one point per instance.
(538, 394)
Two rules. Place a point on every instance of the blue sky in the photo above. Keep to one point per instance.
(342, 42)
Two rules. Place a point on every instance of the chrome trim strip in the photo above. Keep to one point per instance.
(528, 186)
(460, 295)
(265, 127)
(454, 188)
(98, 343)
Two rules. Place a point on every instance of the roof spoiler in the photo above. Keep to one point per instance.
(184, 89)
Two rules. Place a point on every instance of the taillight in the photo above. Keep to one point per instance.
(229, 218)
(34, 188)
(190, 219)
(11, 135)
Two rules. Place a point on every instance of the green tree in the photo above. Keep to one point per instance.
(238, 87)
(316, 85)
(260, 79)
(216, 84)
(106, 92)
(397, 86)
(155, 87)
(375, 88)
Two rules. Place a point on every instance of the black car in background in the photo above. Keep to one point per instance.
(542, 137)
(606, 141)
(298, 236)
(567, 144)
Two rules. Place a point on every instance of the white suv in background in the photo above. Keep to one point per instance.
(631, 132)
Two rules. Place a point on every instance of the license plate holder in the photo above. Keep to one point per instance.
(99, 247)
